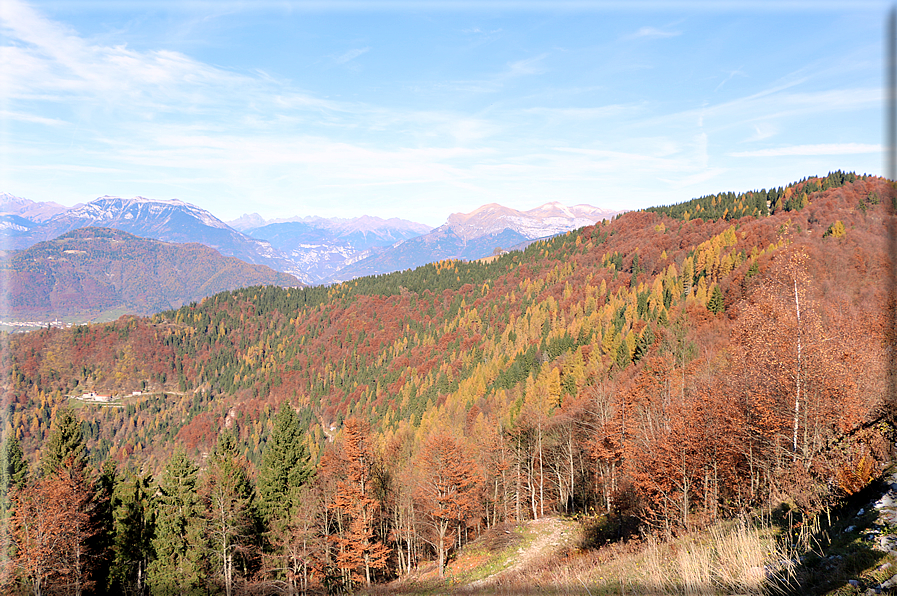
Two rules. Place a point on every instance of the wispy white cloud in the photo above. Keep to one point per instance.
(34, 118)
(498, 81)
(731, 76)
(71, 168)
(477, 30)
(655, 33)
(804, 150)
(529, 66)
(762, 130)
(150, 119)
(350, 55)
(49, 62)
(775, 104)
(583, 114)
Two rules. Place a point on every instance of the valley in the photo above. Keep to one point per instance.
(618, 403)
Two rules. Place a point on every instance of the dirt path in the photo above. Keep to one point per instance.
(552, 534)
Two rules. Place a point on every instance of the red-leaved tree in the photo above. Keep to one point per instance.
(449, 492)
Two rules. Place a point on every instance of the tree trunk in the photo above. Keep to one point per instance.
(541, 476)
(798, 372)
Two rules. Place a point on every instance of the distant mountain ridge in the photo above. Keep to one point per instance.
(96, 272)
(340, 225)
(314, 249)
(547, 220)
(36, 212)
(478, 234)
(168, 221)
(321, 247)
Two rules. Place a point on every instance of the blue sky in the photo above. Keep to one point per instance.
(421, 109)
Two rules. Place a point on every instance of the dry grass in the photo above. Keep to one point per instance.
(731, 558)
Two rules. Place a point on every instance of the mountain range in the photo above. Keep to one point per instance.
(321, 247)
(31, 210)
(168, 221)
(487, 230)
(313, 249)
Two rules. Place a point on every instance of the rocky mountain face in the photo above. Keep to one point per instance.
(321, 247)
(12, 225)
(485, 231)
(35, 212)
(94, 273)
(548, 220)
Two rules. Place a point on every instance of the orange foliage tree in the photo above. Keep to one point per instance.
(49, 529)
(360, 550)
(449, 491)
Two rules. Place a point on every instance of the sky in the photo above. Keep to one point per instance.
(421, 109)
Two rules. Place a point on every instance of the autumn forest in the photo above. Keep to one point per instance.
(657, 373)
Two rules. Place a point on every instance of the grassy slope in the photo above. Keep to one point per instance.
(550, 555)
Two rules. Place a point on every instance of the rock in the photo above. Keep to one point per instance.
(861, 512)
(891, 583)
(853, 583)
(849, 529)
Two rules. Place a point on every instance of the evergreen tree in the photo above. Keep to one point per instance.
(716, 304)
(133, 527)
(99, 545)
(13, 470)
(285, 466)
(622, 358)
(178, 539)
(227, 497)
(644, 343)
(65, 443)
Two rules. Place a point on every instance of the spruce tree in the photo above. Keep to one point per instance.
(13, 469)
(227, 497)
(285, 466)
(178, 541)
(65, 446)
(133, 527)
(717, 303)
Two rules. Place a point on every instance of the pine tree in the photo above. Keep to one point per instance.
(622, 358)
(101, 542)
(178, 540)
(282, 477)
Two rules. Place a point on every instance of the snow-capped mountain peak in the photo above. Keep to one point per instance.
(108, 209)
(546, 220)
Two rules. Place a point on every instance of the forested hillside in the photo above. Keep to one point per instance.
(663, 369)
(98, 272)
